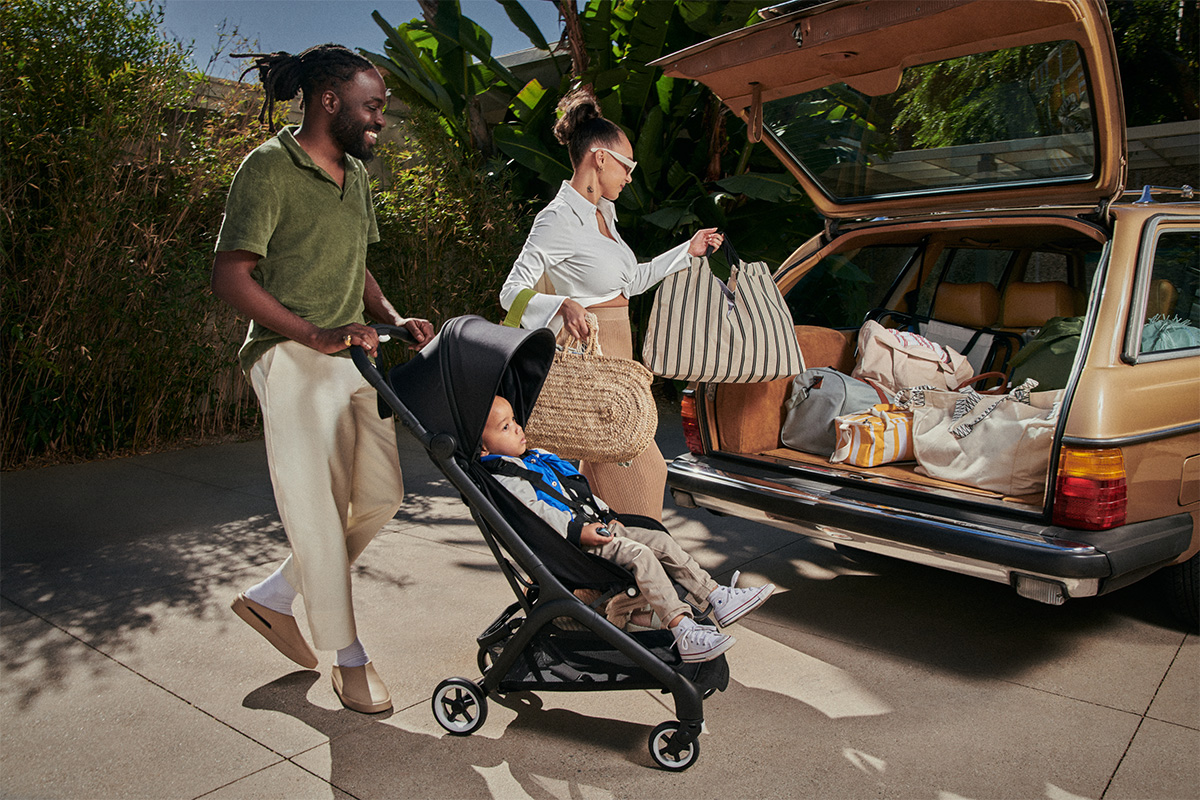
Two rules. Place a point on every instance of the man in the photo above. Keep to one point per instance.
(291, 256)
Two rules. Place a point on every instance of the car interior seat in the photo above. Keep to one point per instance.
(973, 305)
(1031, 305)
(1162, 299)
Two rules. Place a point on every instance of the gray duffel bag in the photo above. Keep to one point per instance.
(819, 396)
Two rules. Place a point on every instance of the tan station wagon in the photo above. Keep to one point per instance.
(969, 159)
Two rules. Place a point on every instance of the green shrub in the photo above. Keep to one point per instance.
(112, 191)
(449, 232)
(112, 183)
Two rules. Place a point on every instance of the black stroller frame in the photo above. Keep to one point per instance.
(442, 397)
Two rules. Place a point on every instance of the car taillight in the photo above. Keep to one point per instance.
(691, 425)
(1090, 492)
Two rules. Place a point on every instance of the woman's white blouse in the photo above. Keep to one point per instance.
(583, 264)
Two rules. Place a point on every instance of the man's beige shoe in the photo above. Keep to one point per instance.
(361, 689)
(280, 630)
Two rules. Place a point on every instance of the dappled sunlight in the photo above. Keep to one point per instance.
(759, 662)
(112, 596)
(865, 762)
(501, 783)
(501, 713)
(1052, 793)
(1055, 793)
(80, 579)
(565, 790)
(469, 766)
(813, 571)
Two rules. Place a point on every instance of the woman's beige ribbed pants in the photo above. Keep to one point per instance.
(639, 487)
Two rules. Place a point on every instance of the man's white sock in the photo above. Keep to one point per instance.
(354, 655)
(275, 593)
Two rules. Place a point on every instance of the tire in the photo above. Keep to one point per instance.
(459, 706)
(659, 738)
(1182, 583)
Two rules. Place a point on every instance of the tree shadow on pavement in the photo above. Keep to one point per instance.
(380, 759)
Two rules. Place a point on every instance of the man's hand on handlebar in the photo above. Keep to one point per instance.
(421, 330)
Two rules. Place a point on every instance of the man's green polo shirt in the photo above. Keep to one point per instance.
(311, 234)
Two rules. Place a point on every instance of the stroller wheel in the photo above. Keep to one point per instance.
(660, 741)
(459, 706)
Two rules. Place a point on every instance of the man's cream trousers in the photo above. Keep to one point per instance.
(336, 476)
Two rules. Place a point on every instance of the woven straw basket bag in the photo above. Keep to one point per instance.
(592, 406)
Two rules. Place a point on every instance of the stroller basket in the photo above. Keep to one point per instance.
(570, 660)
(443, 397)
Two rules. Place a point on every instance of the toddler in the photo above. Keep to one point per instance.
(556, 491)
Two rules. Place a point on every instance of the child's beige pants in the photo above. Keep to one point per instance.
(655, 559)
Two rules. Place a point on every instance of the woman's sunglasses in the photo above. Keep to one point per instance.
(628, 162)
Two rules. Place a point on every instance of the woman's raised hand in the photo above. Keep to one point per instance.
(704, 242)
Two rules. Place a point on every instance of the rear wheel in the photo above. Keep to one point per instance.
(459, 706)
(1182, 582)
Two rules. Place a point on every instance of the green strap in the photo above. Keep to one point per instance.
(517, 310)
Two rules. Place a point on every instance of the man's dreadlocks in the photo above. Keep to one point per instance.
(282, 74)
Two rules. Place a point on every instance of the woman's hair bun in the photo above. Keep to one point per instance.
(576, 108)
(581, 124)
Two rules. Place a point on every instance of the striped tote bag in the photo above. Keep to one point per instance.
(702, 329)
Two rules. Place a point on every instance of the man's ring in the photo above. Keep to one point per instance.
(347, 340)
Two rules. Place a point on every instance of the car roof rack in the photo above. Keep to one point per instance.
(1148, 192)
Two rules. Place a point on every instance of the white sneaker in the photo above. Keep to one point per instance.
(702, 642)
(730, 604)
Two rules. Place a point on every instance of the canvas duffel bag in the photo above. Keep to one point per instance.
(819, 396)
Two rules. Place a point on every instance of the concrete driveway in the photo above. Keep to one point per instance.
(125, 675)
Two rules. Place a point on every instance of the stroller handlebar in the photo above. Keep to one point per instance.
(398, 332)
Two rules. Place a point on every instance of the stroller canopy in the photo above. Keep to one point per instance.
(449, 385)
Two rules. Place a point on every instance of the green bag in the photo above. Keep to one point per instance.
(1049, 356)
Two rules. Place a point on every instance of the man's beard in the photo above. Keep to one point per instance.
(351, 136)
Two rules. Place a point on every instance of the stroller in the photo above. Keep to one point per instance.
(549, 639)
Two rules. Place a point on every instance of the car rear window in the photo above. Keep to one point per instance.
(963, 265)
(990, 120)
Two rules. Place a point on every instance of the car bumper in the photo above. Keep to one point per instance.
(1008, 549)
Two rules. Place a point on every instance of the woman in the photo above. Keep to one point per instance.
(574, 244)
